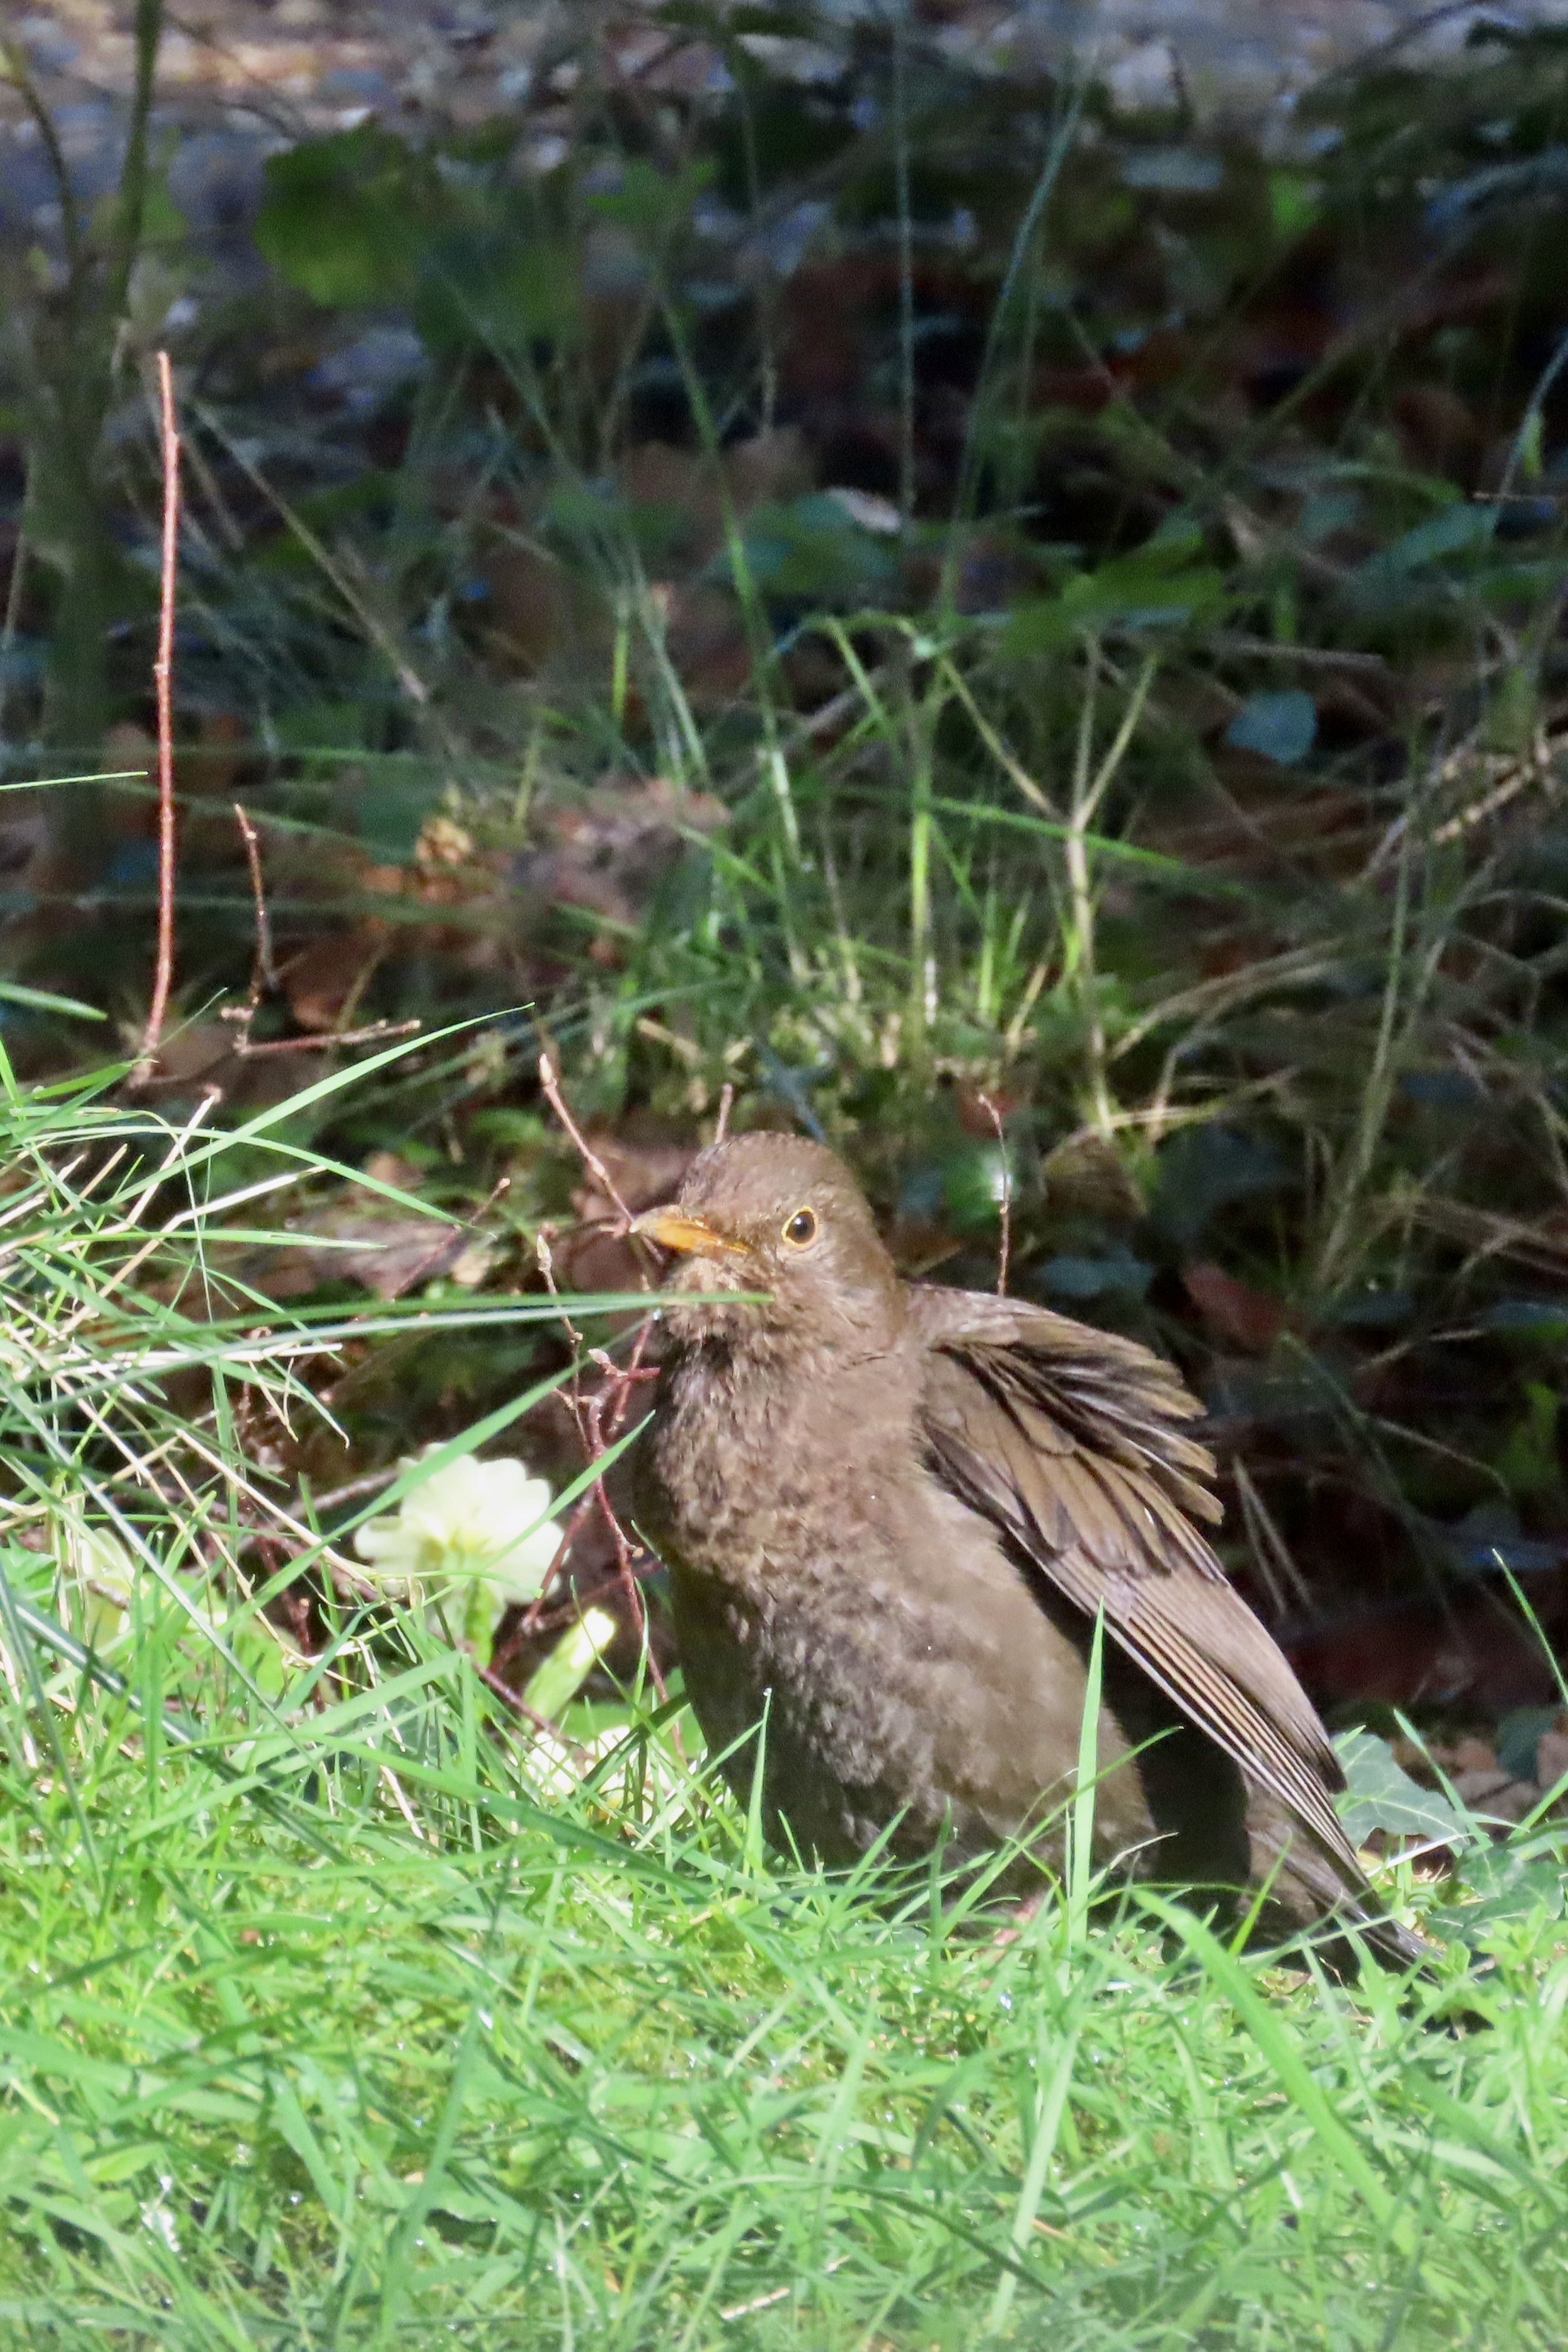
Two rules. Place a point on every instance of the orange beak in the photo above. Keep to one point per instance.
(672, 1229)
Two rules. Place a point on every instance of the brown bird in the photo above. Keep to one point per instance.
(892, 1513)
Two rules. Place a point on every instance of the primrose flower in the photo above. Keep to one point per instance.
(476, 1522)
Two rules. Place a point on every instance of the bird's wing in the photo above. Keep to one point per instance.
(1070, 1443)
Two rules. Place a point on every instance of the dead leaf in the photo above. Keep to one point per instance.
(386, 1255)
(1412, 1654)
(970, 1101)
(643, 1172)
(1552, 1758)
(211, 766)
(324, 981)
(608, 849)
(596, 1258)
(200, 1059)
(442, 841)
(1438, 429)
(529, 606)
(1247, 1318)
(707, 642)
(1086, 1176)
(389, 1168)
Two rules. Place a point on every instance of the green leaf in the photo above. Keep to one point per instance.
(40, 1000)
(1159, 584)
(1527, 1462)
(1458, 529)
(502, 289)
(558, 1681)
(1381, 1795)
(1511, 1884)
(1519, 1735)
(341, 217)
(649, 203)
(812, 551)
(1281, 726)
(1294, 202)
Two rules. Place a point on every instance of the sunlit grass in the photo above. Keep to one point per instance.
(549, 2063)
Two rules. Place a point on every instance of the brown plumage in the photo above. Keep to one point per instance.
(891, 1513)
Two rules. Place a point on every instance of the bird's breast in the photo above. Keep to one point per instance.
(746, 1473)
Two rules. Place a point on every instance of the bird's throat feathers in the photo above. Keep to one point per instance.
(726, 1307)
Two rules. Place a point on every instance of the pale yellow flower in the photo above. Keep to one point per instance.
(481, 1522)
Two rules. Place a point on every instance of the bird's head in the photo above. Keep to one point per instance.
(776, 1214)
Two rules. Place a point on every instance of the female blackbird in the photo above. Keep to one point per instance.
(891, 1514)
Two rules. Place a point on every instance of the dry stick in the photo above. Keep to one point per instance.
(545, 1259)
(375, 1032)
(163, 681)
(13, 613)
(595, 1433)
(503, 1690)
(263, 971)
(726, 1101)
(263, 975)
(606, 1410)
(600, 1416)
(549, 1086)
(994, 1116)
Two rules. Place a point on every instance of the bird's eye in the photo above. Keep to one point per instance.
(800, 1231)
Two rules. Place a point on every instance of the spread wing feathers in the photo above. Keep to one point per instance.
(1069, 1442)
(1097, 1391)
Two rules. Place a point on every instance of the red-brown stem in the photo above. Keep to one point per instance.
(545, 1258)
(601, 1412)
(615, 1395)
(164, 685)
(994, 1116)
(549, 1086)
(264, 973)
(327, 1042)
(519, 1706)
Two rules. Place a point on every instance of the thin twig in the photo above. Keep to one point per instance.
(545, 1258)
(606, 1412)
(13, 613)
(726, 1103)
(779, 2294)
(375, 1032)
(549, 1086)
(600, 1412)
(519, 1706)
(163, 680)
(265, 971)
(263, 975)
(1006, 1205)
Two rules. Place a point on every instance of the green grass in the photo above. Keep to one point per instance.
(564, 2069)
